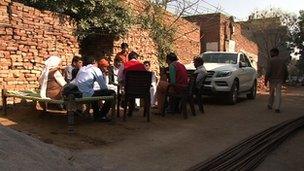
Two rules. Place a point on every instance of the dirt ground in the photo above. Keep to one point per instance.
(167, 143)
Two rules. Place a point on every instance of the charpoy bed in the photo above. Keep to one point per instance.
(69, 103)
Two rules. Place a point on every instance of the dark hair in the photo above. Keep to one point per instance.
(88, 60)
(198, 59)
(171, 57)
(275, 51)
(147, 62)
(76, 59)
(133, 55)
(116, 60)
(124, 45)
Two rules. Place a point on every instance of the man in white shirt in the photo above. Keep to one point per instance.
(200, 71)
(153, 83)
(85, 79)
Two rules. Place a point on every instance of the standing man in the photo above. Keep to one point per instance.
(276, 75)
(123, 54)
(85, 79)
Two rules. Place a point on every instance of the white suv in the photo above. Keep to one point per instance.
(229, 74)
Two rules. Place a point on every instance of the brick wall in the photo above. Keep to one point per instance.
(220, 29)
(209, 28)
(187, 38)
(245, 45)
(186, 44)
(27, 37)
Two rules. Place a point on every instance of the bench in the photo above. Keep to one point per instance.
(70, 102)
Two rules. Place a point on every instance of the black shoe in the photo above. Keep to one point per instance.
(277, 111)
(269, 107)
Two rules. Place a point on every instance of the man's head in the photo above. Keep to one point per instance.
(103, 64)
(274, 52)
(77, 62)
(198, 61)
(89, 60)
(147, 65)
(124, 47)
(171, 57)
(133, 55)
(117, 62)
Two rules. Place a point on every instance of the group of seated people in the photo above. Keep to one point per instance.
(91, 77)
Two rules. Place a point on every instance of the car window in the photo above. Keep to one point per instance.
(247, 61)
(224, 58)
(242, 58)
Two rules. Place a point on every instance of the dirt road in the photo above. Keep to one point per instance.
(169, 143)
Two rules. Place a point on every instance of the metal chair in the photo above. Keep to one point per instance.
(137, 85)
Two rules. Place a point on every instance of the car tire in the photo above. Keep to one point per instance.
(253, 91)
(234, 93)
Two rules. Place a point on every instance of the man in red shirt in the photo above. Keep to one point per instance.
(122, 56)
(131, 65)
(178, 77)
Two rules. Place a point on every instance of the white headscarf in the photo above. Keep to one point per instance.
(50, 63)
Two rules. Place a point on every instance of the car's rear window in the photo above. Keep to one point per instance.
(224, 58)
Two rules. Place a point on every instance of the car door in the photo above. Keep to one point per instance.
(249, 72)
(242, 74)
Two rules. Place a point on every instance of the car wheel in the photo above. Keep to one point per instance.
(234, 93)
(253, 91)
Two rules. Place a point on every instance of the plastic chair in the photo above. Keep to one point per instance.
(137, 85)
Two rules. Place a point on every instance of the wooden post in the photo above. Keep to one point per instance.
(118, 101)
(4, 101)
(113, 107)
(70, 107)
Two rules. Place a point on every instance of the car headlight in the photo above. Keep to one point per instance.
(223, 73)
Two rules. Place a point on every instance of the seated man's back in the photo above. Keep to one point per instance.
(86, 77)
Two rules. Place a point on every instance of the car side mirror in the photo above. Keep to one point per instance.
(242, 64)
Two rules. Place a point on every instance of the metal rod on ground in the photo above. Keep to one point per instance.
(249, 153)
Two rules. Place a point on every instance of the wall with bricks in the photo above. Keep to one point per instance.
(187, 38)
(209, 28)
(186, 44)
(221, 29)
(27, 37)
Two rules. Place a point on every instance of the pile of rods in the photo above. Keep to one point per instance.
(251, 152)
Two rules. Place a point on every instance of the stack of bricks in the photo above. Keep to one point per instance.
(27, 37)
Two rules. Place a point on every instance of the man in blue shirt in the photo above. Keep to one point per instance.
(85, 79)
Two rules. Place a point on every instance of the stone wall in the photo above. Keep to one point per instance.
(27, 37)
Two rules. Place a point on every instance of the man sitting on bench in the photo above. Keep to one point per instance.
(85, 79)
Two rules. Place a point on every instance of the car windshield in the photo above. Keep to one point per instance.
(224, 58)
